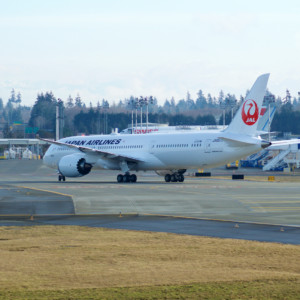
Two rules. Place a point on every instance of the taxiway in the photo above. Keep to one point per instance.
(32, 189)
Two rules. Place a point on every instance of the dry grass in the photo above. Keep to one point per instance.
(69, 257)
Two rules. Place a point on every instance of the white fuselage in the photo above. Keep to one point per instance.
(155, 151)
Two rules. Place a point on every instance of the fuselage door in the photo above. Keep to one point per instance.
(152, 147)
(207, 146)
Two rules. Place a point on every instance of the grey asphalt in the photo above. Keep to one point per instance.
(264, 211)
(208, 228)
(23, 201)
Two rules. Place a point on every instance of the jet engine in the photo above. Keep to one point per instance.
(74, 165)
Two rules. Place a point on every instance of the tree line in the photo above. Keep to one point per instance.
(79, 118)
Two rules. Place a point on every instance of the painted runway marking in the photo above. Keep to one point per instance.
(47, 191)
(35, 215)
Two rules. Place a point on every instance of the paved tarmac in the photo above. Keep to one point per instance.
(274, 203)
(24, 201)
(190, 226)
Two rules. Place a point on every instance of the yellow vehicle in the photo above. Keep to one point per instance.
(233, 165)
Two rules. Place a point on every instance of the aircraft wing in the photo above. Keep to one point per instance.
(102, 153)
(284, 143)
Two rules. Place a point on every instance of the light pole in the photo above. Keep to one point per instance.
(223, 106)
(98, 120)
(130, 104)
(141, 101)
(105, 108)
(59, 119)
(146, 103)
(136, 116)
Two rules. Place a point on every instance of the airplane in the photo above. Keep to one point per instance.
(169, 154)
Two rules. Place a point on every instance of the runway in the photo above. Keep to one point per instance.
(151, 204)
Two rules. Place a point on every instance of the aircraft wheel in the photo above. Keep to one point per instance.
(120, 178)
(133, 178)
(59, 177)
(173, 178)
(64, 178)
(180, 178)
(126, 178)
(167, 178)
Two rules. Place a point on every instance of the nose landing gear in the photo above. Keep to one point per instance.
(61, 177)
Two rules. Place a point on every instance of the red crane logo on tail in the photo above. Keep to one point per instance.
(250, 112)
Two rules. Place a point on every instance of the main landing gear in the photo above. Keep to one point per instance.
(174, 177)
(61, 178)
(126, 178)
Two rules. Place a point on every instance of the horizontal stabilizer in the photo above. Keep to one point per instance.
(276, 144)
(240, 139)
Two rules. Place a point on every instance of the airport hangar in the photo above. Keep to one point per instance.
(35, 143)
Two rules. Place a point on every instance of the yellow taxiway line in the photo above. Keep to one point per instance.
(40, 190)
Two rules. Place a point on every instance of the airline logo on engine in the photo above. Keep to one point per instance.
(93, 142)
(250, 112)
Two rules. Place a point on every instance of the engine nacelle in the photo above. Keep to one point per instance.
(74, 165)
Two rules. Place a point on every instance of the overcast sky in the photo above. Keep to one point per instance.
(115, 49)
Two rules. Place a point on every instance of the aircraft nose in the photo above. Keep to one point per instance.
(46, 159)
